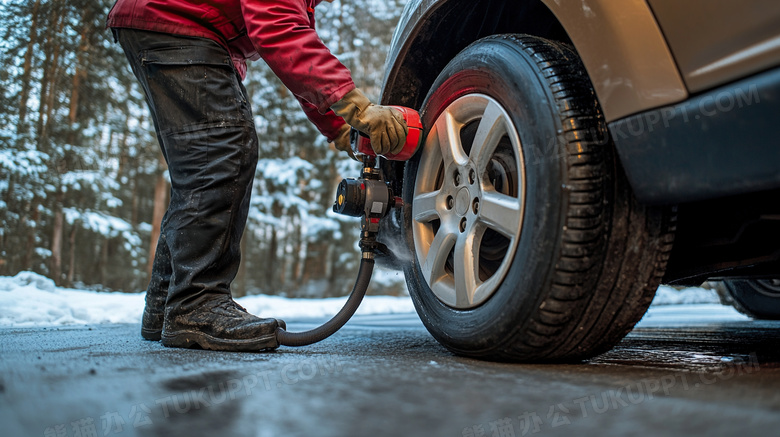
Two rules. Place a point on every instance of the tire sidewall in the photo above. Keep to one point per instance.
(504, 71)
(748, 296)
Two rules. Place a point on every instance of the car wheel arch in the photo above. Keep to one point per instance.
(431, 43)
(635, 72)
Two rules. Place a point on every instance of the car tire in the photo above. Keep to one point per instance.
(755, 298)
(557, 261)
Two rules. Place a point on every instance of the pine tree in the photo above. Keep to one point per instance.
(82, 185)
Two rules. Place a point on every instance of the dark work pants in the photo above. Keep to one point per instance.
(206, 132)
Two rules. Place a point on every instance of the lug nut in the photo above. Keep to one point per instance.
(450, 202)
(462, 224)
(457, 178)
(472, 176)
(475, 206)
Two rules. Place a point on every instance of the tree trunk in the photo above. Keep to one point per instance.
(272, 260)
(3, 261)
(284, 260)
(328, 268)
(134, 201)
(43, 98)
(81, 72)
(160, 205)
(31, 231)
(9, 194)
(27, 69)
(56, 243)
(297, 265)
(282, 124)
(46, 80)
(52, 86)
(72, 260)
(51, 48)
(123, 157)
(103, 269)
(303, 255)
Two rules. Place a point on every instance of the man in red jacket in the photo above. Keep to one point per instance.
(190, 58)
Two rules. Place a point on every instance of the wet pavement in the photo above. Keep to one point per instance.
(685, 370)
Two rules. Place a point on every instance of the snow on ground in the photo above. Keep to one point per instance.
(659, 316)
(693, 295)
(29, 299)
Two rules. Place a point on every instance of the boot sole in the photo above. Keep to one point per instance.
(151, 334)
(190, 339)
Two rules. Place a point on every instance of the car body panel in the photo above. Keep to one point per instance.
(717, 41)
(431, 33)
(715, 144)
(622, 48)
(690, 91)
(625, 53)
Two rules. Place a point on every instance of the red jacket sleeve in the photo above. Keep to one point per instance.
(283, 33)
(329, 124)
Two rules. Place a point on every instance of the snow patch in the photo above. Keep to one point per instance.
(692, 295)
(29, 299)
(282, 307)
(27, 278)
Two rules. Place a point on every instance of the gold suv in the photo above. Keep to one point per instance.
(578, 154)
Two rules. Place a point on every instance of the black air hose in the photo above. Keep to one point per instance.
(331, 326)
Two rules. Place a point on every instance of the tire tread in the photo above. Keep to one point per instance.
(607, 254)
(592, 295)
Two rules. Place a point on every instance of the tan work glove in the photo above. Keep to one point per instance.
(342, 143)
(385, 126)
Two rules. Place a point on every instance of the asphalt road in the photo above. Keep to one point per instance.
(686, 370)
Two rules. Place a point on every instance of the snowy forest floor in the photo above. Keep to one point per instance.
(29, 299)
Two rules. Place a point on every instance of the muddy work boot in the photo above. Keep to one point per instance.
(152, 321)
(219, 324)
(157, 293)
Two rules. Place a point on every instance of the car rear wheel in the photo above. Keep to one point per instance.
(527, 242)
(757, 298)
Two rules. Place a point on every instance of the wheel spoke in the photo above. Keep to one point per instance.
(491, 129)
(443, 287)
(466, 268)
(425, 207)
(458, 197)
(500, 213)
(448, 134)
(433, 267)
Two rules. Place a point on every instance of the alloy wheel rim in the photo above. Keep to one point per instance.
(468, 202)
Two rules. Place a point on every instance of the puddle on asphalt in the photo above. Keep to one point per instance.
(697, 349)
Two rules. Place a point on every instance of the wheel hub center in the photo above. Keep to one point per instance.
(462, 201)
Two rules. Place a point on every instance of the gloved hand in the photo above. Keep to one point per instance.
(385, 126)
(342, 141)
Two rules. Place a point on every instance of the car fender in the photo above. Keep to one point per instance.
(622, 48)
